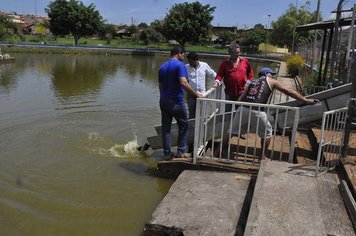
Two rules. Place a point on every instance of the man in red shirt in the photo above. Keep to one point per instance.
(234, 72)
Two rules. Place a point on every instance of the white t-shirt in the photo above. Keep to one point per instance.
(197, 77)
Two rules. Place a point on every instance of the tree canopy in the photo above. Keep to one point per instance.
(150, 35)
(227, 37)
(107, 32)
(255, 36)
(8, 28)
(188, 22)
(283, 28)
(73, 17)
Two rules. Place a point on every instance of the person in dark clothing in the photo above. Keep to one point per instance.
(259, 91)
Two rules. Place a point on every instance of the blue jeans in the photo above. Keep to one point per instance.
(192, 104)
(170, 109)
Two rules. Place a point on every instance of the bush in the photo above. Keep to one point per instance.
(294, 65)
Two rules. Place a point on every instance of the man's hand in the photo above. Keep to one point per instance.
(311, 101)
(216, 85)
(200, 95)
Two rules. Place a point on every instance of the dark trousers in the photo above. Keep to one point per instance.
(171, 109)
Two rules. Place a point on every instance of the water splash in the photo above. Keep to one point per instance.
(96, 144)
(130, 149)
(125, 150)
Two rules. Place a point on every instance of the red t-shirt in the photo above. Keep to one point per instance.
(235, 78)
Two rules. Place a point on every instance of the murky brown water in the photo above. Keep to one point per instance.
(65, 121)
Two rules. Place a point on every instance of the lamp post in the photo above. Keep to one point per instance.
(269, 16)
(35, 8)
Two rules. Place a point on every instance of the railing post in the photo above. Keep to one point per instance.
(294, 134)
(351, 113)
(197, 130)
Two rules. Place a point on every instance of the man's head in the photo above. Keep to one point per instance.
(234, 51)
(193, 59)
(178, 51)
(266, 72)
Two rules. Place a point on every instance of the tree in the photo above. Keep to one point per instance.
(188, 22)
(8, 28)
(132, 30)
(255, 36)
(142, 25)
(283, 28)
(107, 32)
(41, 30)
(150, 35)
(73, 17)
(157, 25)
(226, 37)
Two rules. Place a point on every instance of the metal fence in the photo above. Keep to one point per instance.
(331, 140)
(232, 131)
(279, 97)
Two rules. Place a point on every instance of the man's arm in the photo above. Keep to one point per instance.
(210, 72)
(184, 83)
(219, 75)
(291, 92)
(249, 71)
(243, 93)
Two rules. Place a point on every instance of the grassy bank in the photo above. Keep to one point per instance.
(64, 45)
(92, 45)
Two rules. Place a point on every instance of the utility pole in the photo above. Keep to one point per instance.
(296, 5)
(269, 16)
(349, 53)
(315, 37)
(335, 38)
(351, 118)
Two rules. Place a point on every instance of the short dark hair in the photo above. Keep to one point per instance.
(232, 47)
(176, 50)
(193, 56)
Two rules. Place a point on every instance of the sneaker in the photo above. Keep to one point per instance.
(183, 155)
(169, 157)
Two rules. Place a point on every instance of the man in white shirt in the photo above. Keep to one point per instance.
(198, 71)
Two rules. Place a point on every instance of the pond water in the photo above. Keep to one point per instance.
(69, 125)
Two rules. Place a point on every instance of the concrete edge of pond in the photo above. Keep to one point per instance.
(203, 203)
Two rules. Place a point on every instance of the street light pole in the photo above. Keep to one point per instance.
(315, 37)
(269, 16)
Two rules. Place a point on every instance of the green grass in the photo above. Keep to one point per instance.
(123, 43)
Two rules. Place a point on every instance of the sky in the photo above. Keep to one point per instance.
(239, 13)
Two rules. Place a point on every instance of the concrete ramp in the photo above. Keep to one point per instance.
(203, 203)
(288, 200)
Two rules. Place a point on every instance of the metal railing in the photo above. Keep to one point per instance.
(331, 140)
(216, 139)
(308, 90)
(279, 97)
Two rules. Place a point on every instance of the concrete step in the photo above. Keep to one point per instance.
(203, 203)
(288, 200)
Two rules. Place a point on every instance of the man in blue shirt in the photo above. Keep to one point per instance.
(172, 78)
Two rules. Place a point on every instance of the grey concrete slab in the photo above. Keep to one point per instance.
(201, 203)
(289, 200)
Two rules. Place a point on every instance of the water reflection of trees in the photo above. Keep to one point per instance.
(142, 66)
(8, 79)
(80, 75)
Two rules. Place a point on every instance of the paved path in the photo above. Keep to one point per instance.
(285, 80)
(288, 200)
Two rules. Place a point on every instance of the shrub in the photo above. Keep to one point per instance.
(294, 65)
